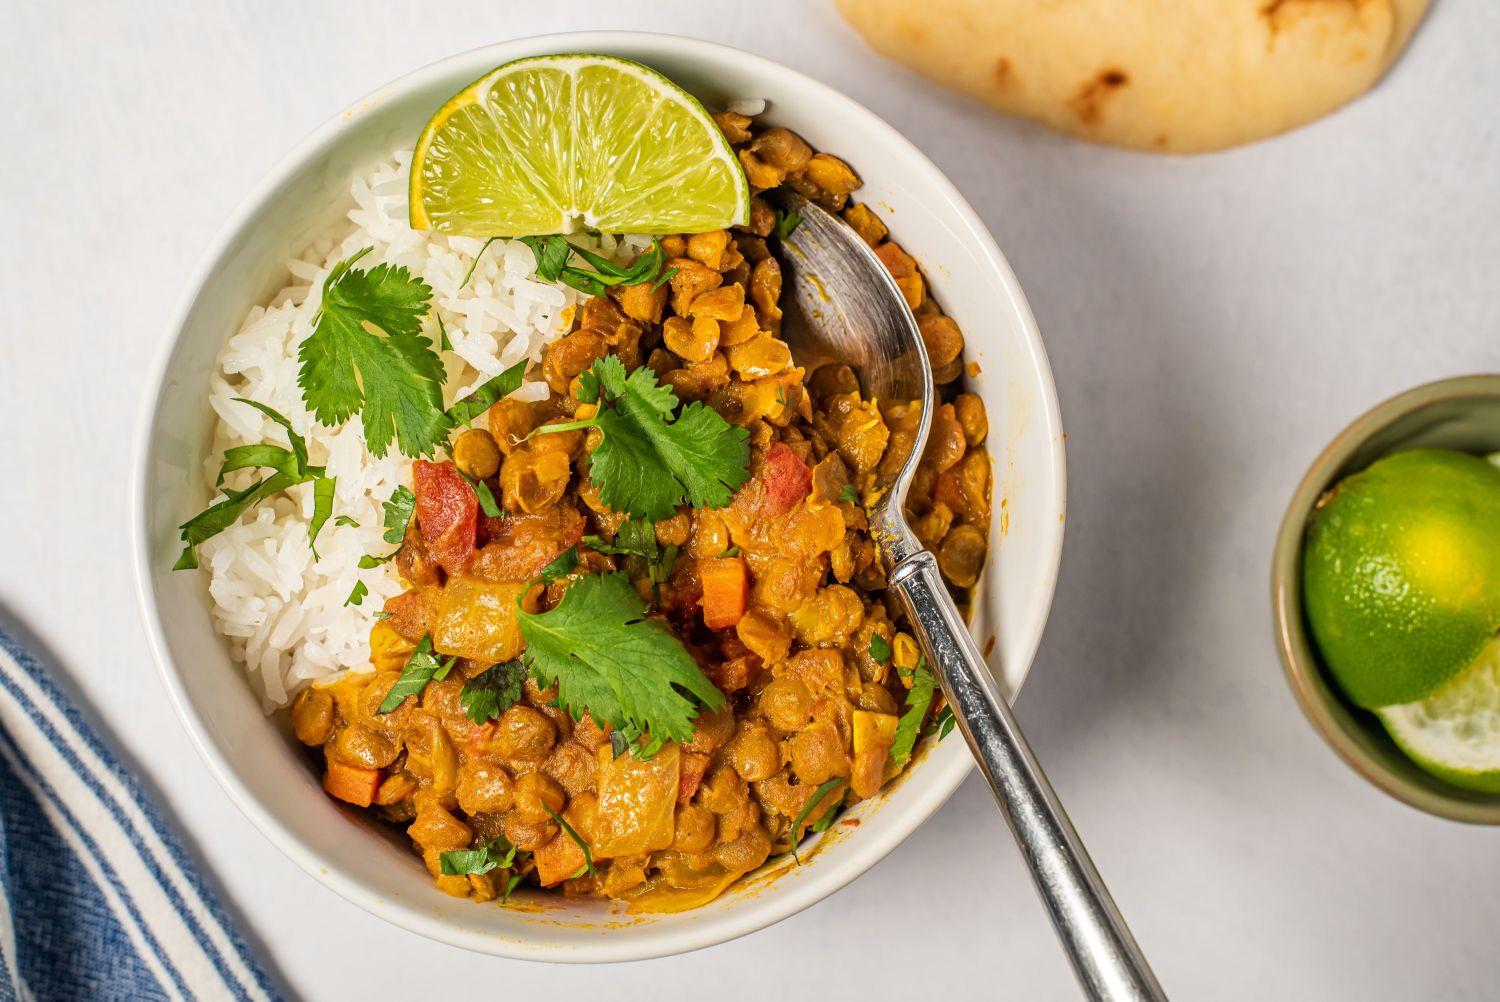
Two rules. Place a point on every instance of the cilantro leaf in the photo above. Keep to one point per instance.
(357, 594)
(485, 496)
(346, 520)
(470, 407)
(608, 659)
(910, 725)
(290, 468)
(647, 464)
(729, 551)
(880, 648)
(421, 668)
(299, 447)
(496, 854)
(850, 494)
(251, 457)
(398, 514)
(786, 222)
(323, 488)
(493, 691)
(812, 804)
(443, 342)
(943, 722)
(552, 253)
(392, 380)
(562, 565)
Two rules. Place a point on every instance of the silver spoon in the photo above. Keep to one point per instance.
(852, 312)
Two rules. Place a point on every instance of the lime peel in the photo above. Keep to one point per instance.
(1454, 733)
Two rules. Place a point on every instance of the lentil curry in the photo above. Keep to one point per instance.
(817, 695)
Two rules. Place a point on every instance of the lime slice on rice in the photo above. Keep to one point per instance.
(555, 144)
(1454, 733)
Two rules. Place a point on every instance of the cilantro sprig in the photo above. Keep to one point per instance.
(909, 727)
(289, 467)
(649, 462)
(553, 252)
(393, 379)
(367, 355)
(609, 659)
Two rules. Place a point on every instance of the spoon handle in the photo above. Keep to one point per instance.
(1104, 955)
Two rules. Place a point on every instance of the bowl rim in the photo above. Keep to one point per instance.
(1299, 661)
(943, 777)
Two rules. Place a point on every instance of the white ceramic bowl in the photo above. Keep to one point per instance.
(256, 760)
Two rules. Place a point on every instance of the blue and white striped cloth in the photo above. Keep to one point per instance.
(98, 899)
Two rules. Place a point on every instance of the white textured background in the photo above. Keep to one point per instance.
(1212, 323)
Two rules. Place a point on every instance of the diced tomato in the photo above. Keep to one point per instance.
(350, 783)
(694, 765)
(726, 591)
(785, 480)
(447, 513)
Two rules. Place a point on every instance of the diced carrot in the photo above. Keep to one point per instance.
(726, 591)
(690, 776)
(350, 783)
(558, 860)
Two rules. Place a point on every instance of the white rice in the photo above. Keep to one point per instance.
(282, 611)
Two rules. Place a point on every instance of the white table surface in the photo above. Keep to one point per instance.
(1212, 322)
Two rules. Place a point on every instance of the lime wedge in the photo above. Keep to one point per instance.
(555, 144)
(1455, 732)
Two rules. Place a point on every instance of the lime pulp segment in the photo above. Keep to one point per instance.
(1455, 732)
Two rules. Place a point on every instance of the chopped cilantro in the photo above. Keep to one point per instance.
(619, 743)
(850, 494)
(730, 551)
(475, 263)
(812, 804)
(880, 648)
(910, 725)
(588, 857)
(606, 657)
(421, 668)
(357, 596)
(346, 520)
(564, 564)
(493, 691)
(443, 342)
(290, 468)
(398, 513)
(485, 495)
(470, 407)
(786, 222)
(647, 464)
(552, 253)
(393, 380)
(511, 885)
(944, 722)
(323, 488)
(382, 614)
(496, 854)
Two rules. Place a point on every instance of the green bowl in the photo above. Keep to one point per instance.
(1462, 413)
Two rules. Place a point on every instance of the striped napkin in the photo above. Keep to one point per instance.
(98, 899)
